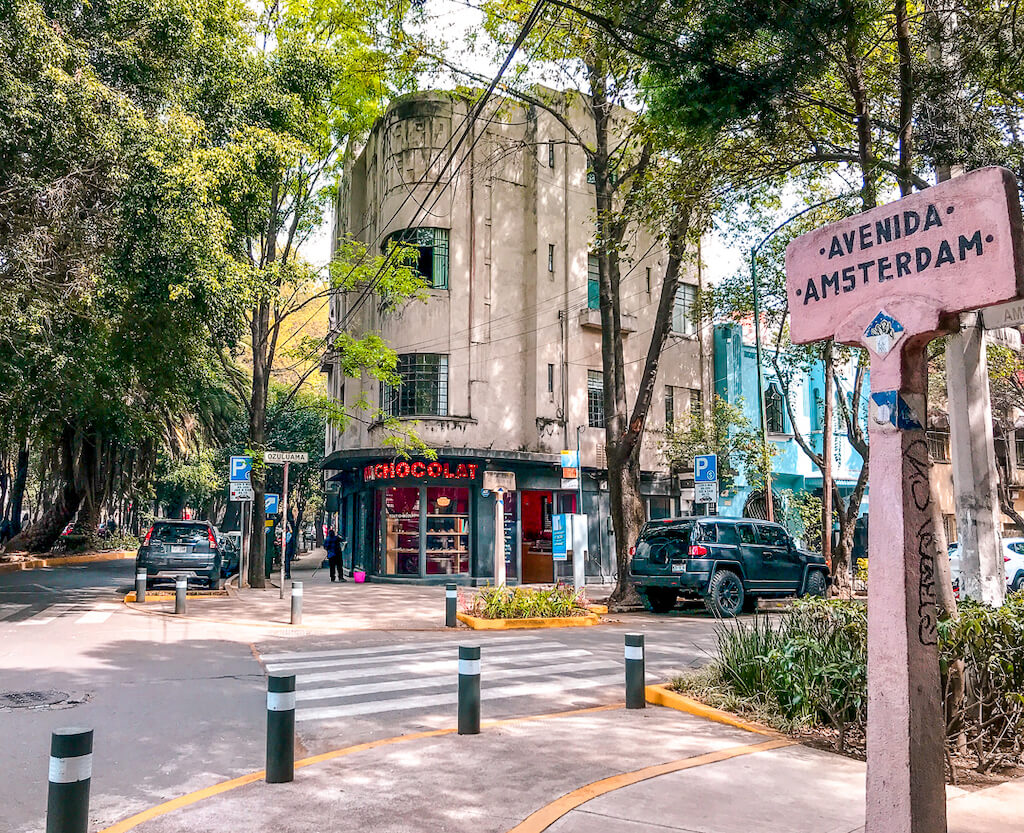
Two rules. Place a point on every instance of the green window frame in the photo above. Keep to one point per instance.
(432, 244)
(593, 282)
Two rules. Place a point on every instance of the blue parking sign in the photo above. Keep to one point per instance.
(270, 504)
(239, 468)
(705, 468)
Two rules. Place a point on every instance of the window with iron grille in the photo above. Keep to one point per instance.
(683, 322)
(696, 403)
(773, 410)
(670, 406)
(595, 399)
(424, 387)
(938, 446)
(432, 246)
(593, 282)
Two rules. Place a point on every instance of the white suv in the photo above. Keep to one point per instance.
(1013, 561)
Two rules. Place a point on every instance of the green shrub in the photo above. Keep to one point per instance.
(527, 602)
(810, 668)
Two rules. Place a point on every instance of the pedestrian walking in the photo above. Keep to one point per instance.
(333, 545)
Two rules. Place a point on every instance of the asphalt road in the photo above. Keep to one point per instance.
(180, 705)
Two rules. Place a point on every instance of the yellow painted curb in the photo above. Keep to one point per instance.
(600, 610)
(65, 560)
(543, 818)
(168, 596)
(660, 695)
(479, 624)
(226, 786)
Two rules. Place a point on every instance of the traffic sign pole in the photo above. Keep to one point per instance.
(284, 529)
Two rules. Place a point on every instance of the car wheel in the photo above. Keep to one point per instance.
(661, 599)
(816, 585)
(725, 595)
(1018, 583)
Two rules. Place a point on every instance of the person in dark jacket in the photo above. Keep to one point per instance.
(332, 543)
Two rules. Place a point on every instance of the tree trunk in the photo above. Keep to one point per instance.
(18, 487)
(257, 442)
(41, 535)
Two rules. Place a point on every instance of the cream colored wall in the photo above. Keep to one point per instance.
(501, 320)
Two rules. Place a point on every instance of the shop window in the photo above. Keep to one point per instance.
(447, 542)
(773, 410)
(593, 282)
(401, 555)
(683, 321)
(432, 246)
(424, 387)
(595, 399)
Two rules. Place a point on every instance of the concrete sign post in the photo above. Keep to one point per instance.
(501, 483)
(891, 280)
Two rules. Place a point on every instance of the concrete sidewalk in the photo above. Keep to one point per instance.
(606, 769)
(326, 606)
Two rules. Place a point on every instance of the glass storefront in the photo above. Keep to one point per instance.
(425, 530)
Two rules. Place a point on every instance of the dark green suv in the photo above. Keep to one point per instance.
(727, 562)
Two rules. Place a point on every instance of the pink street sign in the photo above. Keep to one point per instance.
(945, 250)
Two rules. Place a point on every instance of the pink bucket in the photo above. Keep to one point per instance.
(358, 576)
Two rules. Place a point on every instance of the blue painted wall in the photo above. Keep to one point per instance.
(736, 383)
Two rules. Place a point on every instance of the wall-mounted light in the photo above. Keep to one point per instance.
(443, 501)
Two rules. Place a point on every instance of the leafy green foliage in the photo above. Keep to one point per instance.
(528, 603)
(810, 669)
(729, 434)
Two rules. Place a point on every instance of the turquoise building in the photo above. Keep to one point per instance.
(792, 470)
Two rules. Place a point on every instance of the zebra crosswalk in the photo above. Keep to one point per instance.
(423, 677)
(34, 614)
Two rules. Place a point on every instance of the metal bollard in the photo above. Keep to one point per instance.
(635, 677)
(296, 602)
(140, 584)
(180, 592)
(67, 801)
(280, 729)
(451, 599)
(469, 690)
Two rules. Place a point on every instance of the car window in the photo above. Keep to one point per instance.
(661, 545)
(727, 534)
(706, 533)
(746, 532)
(180, 534)
(772, 536)
(1018, 547)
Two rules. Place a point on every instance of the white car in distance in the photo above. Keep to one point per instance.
(1013, 562)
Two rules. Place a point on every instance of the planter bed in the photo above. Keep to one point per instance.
(481, 624)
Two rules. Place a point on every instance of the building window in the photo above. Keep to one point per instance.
(682, 313)
(551, 257)
(938, 447)
(595, 399)
(613, 177)
(696, 403)
(773, 410)
(432, 245)
(551, 153)
(593, 282)
(424, 387)
(648, 280)
(551, 378)
(670, 406)
(1018, 445)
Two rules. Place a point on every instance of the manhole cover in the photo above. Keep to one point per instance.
(38, 699)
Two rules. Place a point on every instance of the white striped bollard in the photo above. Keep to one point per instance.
(67, 800)
(451, 599)
(180, 593)
(469, 689)
(296, 602)
(635, 677)
(280, 729)
(140, 584)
